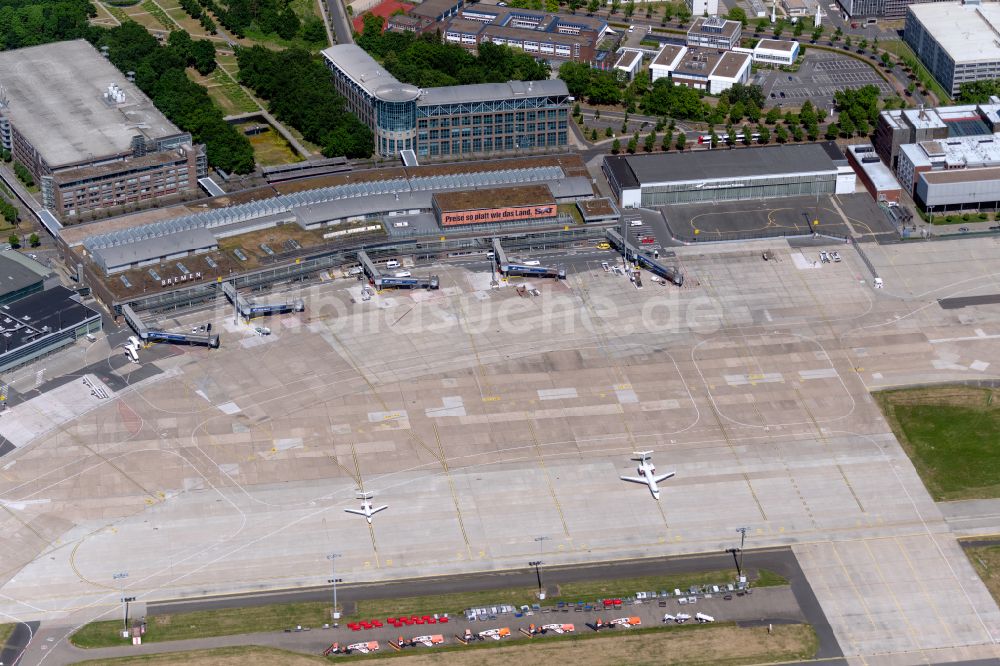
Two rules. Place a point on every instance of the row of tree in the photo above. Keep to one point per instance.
(32, 22)
(300, 92)
(267, 17)
(193, 9)
(427, 62)
(159, 72)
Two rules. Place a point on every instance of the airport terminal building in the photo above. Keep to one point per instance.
(452, 121)
(90, 138)
(728, 175)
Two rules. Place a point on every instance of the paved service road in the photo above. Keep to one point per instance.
(339, 21)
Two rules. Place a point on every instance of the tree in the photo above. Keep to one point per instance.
(14, 240)
(886, 60)
(760, 26)
(731, 136)
(846, 125)
(799, 28)
(863, 45)
(593, 134)
(313, 30)
(747, 135)
(616, 147)
(976, 92)
(668, 140)
(737, 14)
(832, 132)
(683, 14)
(576, 109)
(629, 8)
(34, 240)
(847, 42)
(650, 142)
(593, 6)
(781, 134)
(202, 56)
(817, 33)
(773, 115)
(837, 34)
(764, 137)
(807, 114)
(681, 141)
(607, 132)
(779, 27)
(615, 6)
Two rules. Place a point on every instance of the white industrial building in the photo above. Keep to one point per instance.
(629, 62)
(711, 70)
(714, 32)
(957, 41)
(775, 52)
(703, 7)
(952, 174)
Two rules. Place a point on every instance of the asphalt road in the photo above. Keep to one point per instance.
(19, 639)
(338, 21)
(779, 560)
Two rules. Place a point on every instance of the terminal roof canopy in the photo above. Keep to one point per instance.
(55, 94)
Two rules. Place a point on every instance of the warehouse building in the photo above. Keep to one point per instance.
(957, 41)
(43, 323)
(452, 121)
(728, 175)
(90, 138)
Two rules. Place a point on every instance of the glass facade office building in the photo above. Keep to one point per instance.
(453, 121)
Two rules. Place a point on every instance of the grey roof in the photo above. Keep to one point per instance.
(571, 188)
(55, 96)
(14, 275)
(153, 248)
(375, 79)
(483, 92)
(336, 210)
(877, 172)
(711, 165)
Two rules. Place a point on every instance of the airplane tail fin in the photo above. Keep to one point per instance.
(641, 455)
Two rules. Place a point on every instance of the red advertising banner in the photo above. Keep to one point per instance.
(498, 215)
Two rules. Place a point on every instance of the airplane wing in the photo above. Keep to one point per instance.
(635, 479)
(380, 508)
(662, 477)
(356, 511)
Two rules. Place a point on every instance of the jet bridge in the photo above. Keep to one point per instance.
(249, 309)
(632, 253)
(508, 269)
(155, 335)
(396, 281)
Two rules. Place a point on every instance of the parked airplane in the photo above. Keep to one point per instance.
(366, 509)
(647, 473)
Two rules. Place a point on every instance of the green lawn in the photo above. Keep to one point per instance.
(952, 434)
(5, 631)
(986, 560)
(200, 624)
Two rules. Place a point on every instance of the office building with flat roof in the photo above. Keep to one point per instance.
(466, 120)
(956, 41)
(90, 138)
(897, 127)
(775, 52)
(708, 69)
(542, 34)
(714, 32)
(728, 175)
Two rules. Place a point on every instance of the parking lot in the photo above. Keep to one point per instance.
(819, 77)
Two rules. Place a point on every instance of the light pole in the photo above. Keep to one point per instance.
(743, 539)
(120, 577)
(538, 565)
(333, 560)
